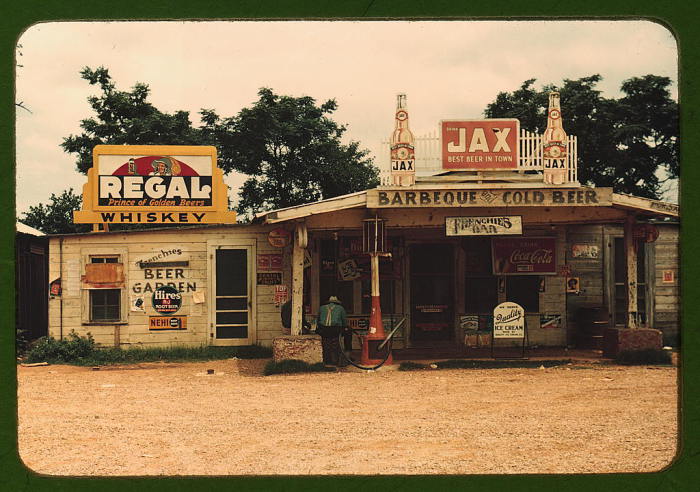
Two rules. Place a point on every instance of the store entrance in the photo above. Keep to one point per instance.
(432, 292)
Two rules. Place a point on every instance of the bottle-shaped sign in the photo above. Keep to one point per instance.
(132, 166)
(554, 144)
(403, 156)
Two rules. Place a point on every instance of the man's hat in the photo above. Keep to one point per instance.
(334, 299)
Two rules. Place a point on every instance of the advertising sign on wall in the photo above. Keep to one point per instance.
(167, 300)
(524, 256)
(167, 323)
(269, 262)
(479, 144)
(161, 184)
(584, 197)
(269, 278)
(508, 321)
(483, 226)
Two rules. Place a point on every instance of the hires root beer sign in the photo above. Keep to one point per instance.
(154, 184)
(524, 255)
(479, 144)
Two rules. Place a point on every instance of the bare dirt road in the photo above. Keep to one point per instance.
(175, 419)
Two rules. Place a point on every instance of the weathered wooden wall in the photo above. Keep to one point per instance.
(69, 255)
(667, 295)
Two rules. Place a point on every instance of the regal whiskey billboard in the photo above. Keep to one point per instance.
(154, 184)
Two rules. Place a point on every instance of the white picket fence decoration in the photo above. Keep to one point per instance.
(429, 158)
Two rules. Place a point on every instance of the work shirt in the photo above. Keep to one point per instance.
(331, 314)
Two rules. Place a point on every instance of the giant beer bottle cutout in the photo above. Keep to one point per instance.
(403, 157)
(554, 144)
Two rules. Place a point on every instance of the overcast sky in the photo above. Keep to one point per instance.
(448, 69)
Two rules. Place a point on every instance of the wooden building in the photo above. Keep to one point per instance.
(31, 284)
(233, 279)
(483, 214)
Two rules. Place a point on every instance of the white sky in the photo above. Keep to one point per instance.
(448, 69)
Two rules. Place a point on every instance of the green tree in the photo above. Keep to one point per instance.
(622, 143)
(126, 118)
(291, 151)
(288, 147)
(56, 217)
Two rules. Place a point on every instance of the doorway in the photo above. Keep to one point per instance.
(232, 295)
(432, 292)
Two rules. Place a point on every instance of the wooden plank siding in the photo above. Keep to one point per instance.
(69, 254)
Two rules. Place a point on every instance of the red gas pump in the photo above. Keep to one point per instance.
(374, 244)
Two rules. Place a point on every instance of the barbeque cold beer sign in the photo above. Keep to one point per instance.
(161, 184)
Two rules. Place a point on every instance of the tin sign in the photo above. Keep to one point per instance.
(524, 256)
(479, 144)
(279, 238)
(508, 321)
(159, 184)
(167, 323)
(483, 226)
(167, 299)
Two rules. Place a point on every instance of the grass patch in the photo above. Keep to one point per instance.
(484, 364)
(292, 366)
(644, 357)
(81, 351)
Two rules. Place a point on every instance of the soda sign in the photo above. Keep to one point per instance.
(479, 144)
(524, 256)
(167, 299)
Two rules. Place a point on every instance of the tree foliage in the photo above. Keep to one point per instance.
(126, 118)
(288, 147)
(291, 150)
(622, 143)
(56, 217)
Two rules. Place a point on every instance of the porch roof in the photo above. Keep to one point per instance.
(484, 196)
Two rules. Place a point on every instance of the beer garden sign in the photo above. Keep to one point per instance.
(158, 184)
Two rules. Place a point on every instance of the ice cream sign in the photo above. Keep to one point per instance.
(479, 144)
(154, 184)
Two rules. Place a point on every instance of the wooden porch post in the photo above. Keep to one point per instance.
(631, 255)
(300, 243)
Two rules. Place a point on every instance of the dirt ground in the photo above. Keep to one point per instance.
(175, 419)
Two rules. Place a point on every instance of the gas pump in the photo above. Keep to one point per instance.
(374, 244)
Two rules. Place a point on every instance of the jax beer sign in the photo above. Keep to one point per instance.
(484, 145)
(154, 184)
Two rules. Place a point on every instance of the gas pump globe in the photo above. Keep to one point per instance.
(373, 236)
(374, 244)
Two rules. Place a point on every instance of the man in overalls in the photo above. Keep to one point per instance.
(331, 320)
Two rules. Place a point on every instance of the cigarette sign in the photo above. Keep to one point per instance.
(154, 184)
(479, 144)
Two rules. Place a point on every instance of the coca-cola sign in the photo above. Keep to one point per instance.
(524, 256)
